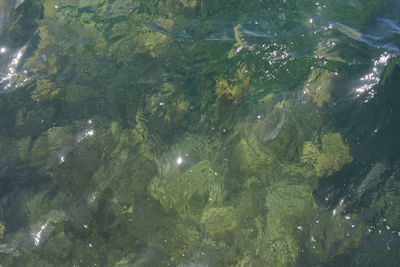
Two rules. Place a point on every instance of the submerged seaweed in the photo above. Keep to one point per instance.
(195, 133)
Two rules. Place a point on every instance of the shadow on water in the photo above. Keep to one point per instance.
(371, 124)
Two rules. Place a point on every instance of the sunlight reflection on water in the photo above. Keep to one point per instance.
(370, 80)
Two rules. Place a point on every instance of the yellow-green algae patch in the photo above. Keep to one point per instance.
(327, 157)
(45, 91)
(219, 220)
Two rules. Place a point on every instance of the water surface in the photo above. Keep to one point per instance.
(199, 133)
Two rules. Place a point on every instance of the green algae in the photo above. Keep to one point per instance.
(219, 220)
(186, 160)
(36, 152)
(2, 230)
(197, 186)
(45, 90)
(318, 86)
(233, 91)
(287, 206)
(332, 155)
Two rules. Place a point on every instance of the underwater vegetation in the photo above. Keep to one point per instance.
(234, 91)
(185, 133)
(332, 155)
(2, 229)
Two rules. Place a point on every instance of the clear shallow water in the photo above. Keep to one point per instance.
(199, 133)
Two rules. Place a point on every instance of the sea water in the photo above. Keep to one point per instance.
(199, 133)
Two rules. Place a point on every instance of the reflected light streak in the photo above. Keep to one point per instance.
(371, 79)
(85, 135)
(88, 132)
(12, 70)
(38, 235)
(18, 3)
(92, 198)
